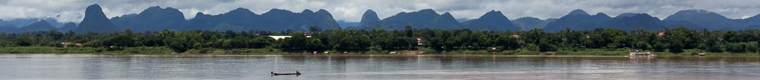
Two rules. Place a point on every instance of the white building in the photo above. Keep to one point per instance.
(279, 37)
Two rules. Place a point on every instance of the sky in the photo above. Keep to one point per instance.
(352, 10)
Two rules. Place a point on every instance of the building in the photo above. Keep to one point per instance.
(279, 37)
(67, 44)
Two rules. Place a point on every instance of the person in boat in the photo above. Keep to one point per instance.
(297, 73)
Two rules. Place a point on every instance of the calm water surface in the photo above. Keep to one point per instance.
(97, 67)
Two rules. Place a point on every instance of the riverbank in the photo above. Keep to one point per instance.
(272, 51)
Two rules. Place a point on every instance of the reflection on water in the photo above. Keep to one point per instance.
(16, 67)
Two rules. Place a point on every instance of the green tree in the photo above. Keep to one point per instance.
(182, 41)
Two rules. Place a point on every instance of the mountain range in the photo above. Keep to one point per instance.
(529, 23)
(494, 21)
(153, 18)
(427, 18)
(241, 19)
(30, 24)
(96, 21)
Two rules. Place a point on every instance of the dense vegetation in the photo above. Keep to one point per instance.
(670, 40)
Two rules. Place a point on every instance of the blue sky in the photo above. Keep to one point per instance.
(351, 10)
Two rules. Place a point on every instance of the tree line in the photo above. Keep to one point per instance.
(670, 40)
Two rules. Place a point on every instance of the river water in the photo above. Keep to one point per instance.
(99, 67)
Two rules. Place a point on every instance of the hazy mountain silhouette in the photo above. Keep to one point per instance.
(426, 18)
(578, 20)
(634, 21)
(492, 21)
(18, 22)
(21, 22)
(701, 19)
(152, 19)
(28, 24)
(38, 26)
(8, 28)
(370, 19)
(529, 23)
(241, 19)
(752, 22)
(347, 24)
(96, 21)
(322, 19)
(66, 27)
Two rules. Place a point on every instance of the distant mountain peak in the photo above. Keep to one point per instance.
(698, 13)
(492, 21)
(529, 23)
(155, 18)
(243, 11)
(307, 11)
(701, 19)
(426, 18)
(370, 19)
(199, 13)
(278, 11)
(322, 12)
(427, 12)
(158, 10)
(633, 15)
(755, 18)
(578, 12)
(94, 7)
(492, 13)
(96, 21)
(154, 7)
(601, 14)
(636, 21)
(446, 14)
(41, 25)
(578, 20)
(370, 13)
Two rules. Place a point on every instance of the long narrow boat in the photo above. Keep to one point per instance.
(278, 74)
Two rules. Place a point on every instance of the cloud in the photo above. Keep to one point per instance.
(351, 10)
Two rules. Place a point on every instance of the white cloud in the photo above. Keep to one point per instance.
(351, 10)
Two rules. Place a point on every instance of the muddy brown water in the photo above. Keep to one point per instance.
(99, 67)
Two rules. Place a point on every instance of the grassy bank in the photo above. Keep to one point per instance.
(36, 49)
(273, 51)
(83, 50)
(129, 50)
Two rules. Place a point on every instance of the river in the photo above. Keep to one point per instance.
(99, 67)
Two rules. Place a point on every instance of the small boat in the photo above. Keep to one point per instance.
(641, 54)
(278, 74)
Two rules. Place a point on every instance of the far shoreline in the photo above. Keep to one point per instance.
(160, 51)
(364, 55)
